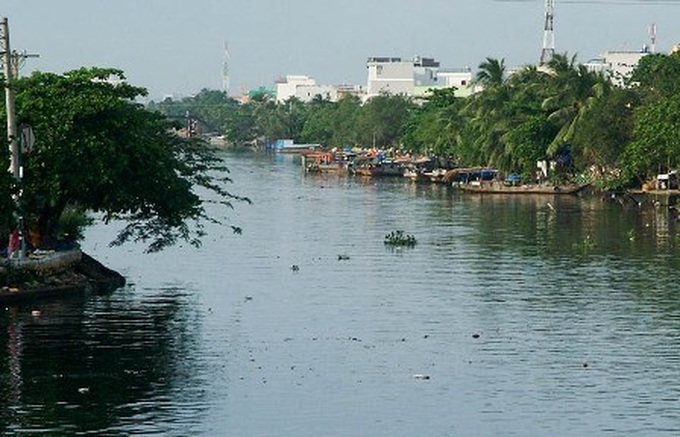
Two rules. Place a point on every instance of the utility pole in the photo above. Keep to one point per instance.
(12, 136)
(18, 61)
(9, 100)
(549, 33)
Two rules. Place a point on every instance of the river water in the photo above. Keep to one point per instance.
(514, 316)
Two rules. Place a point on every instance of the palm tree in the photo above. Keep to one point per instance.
(491, 73)
(574, 92)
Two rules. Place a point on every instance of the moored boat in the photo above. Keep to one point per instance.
(323, 162)
(374, 168)
(500, 187)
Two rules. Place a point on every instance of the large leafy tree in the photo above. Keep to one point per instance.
(656, 144)
(656, 75)
(98, 149)
(381, 119)
(603, 136)
(434, 127)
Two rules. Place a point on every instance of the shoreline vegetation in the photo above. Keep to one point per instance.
(584, 129)
(88, 147)
(618, 135)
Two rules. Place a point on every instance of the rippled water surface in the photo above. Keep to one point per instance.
(511, 316)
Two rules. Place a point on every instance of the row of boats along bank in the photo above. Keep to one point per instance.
(373, 163)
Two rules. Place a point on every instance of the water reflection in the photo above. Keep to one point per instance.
(531, 315)
(100, 363)
(568, 226)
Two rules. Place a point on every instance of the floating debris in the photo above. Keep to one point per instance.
(343, 257)
(401, 239)
(295, 268)
(476, 335)
(421, 377)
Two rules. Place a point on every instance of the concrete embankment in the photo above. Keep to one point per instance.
(55, 274)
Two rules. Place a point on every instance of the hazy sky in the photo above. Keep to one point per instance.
(177, 46)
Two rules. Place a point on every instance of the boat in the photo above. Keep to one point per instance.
(289, 147)
(375, 167)
(323, 162)
(501, 187)
(485, 180)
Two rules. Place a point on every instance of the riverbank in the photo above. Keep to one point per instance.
(56, 275)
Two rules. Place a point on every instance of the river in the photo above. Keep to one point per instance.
(513, 316)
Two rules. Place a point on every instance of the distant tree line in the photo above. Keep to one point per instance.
(620, 135)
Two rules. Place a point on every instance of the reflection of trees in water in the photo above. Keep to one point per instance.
(512, 245)
(564, 226)
(101, 363)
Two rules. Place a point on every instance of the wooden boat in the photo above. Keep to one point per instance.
(374, 168)
(500, 187)
(323, 162)
(424, 175)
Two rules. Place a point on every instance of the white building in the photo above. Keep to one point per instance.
(460, 78)
(617, 65)
(303, 88)
(390, 75)
(413, 77)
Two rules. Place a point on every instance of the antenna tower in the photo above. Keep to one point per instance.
(549, 33)
(225, 72)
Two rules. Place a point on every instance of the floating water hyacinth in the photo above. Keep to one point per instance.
(399, 238)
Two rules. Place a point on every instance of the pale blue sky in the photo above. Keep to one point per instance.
(173, 46)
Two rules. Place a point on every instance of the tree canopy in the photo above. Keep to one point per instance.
(99, 150)
(562, 111)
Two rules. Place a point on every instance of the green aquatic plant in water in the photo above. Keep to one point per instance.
(586, 245)
(401, 239)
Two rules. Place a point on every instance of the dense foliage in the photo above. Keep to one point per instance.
(98, 150)
(561, 111)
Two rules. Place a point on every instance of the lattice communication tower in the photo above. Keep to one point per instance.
(549, 33)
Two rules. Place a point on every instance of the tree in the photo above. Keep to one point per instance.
(574, 92)
(381, 119)
(656, 75)
(491, 73)
(433, 127)
(526, 143)
(98, 149)
(656, 145)
(487, 117)
(603, 136)
(210, 108)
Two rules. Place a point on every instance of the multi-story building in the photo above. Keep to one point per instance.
(390, 75)
(385, 75)
(413, 77)
(617, 65)
(305, 89)
(459, 78)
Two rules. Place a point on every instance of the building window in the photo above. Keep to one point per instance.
(379, 70)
